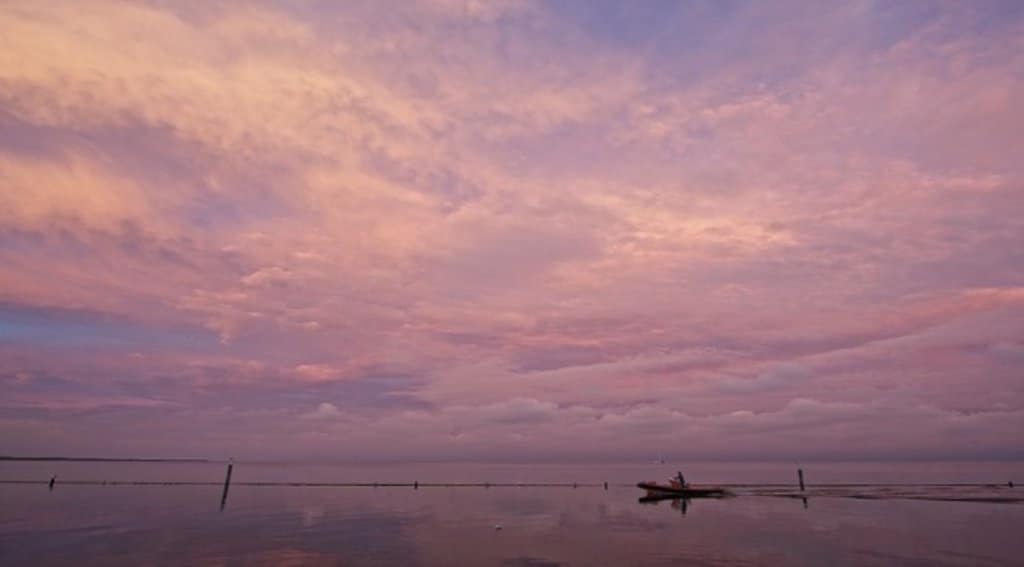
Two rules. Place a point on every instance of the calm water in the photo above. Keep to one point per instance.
(878, 521)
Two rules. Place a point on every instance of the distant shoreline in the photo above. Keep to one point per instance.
(104, 459)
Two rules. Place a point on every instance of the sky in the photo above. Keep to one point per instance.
(526, 231)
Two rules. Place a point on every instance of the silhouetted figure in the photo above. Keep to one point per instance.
(1010, 484)
(53, 480)
(682, 481)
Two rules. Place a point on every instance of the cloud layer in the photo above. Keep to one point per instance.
(463, 229)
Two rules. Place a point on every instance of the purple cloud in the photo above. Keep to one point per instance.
(511, 230)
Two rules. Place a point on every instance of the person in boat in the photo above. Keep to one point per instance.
(680, 480)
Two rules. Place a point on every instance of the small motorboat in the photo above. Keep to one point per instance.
(675, 489)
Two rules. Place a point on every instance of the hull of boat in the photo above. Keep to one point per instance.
(655, 490)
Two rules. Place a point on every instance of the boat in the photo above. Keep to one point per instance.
(674, 489)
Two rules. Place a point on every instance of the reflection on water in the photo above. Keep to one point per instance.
(676, 502)
(275, 525)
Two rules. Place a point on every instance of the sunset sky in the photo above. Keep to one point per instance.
(458, 229)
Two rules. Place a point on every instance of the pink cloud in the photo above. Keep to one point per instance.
(509, 232)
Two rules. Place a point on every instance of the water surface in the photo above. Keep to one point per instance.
(877, 516)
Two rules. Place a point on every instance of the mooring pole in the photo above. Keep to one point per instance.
(227, 484)
(800, 475)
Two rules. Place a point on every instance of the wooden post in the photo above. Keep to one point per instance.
(800, 475)
(606, 485)
(227, 484)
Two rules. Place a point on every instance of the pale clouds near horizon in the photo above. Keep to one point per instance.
(517, 230)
